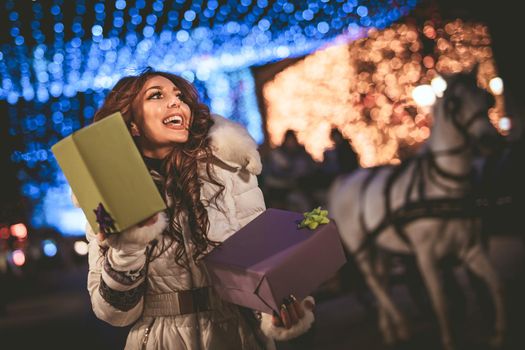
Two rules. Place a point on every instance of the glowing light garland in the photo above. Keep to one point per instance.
(55, 68)
(242, 34)
(365, 89)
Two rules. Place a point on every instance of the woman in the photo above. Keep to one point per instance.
(152, 275)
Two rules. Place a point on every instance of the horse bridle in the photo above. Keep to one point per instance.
(452, 106)
(433, 208)
(463, 129)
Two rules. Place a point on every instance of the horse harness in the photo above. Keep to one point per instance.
(463, 206)
(422, 207)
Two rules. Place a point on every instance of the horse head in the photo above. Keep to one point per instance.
(466, 106)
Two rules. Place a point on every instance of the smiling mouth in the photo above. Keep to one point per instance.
(174, 122)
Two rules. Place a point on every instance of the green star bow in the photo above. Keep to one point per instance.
(314, 218)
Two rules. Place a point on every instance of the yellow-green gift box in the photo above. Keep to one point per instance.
(104, 167)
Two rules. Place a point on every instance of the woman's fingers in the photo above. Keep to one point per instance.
(294, 318)
(290, 312)
(297, 307)
(101, 237)
(276, 320)
(285, 316)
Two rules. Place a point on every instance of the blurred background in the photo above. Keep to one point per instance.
(327, 86)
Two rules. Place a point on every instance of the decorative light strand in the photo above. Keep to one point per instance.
(243, 34)
(54, 82)
(365, 89)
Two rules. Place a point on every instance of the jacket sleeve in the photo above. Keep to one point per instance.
(117, 273)
(238, 163)
(240, 201)
(247, 197)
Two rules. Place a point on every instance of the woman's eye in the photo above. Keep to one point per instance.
(155, 95)
(180, 96)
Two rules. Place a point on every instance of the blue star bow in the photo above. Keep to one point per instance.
(105, 221)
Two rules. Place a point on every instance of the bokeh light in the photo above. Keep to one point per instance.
(49, 247)
(368, 89)
(496, 85)
(19, 231)
(80, 247)
(505, 124)
(439, 85)
(56, 67)
(424, 95)
(18, 257)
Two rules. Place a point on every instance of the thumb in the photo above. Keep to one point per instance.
(101, 237)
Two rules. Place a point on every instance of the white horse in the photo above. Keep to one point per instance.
(423, 207)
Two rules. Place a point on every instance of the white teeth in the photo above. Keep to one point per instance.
(176, 119)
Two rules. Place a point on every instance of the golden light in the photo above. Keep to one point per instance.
(505, 124)
(19, 231)
(300, 94)
(496, 85)
(377, 90)
(439, 85)
(80, 247)
(424, 95)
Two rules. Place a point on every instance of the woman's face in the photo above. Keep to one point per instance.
(162, 117)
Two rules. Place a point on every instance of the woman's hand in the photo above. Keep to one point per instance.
(294, 319)
(290, 312)
(144, 223)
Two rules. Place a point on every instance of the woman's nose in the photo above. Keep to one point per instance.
(174, 102)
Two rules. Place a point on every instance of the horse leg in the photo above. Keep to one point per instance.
(385, 302)
(477, 261)
(429, 269)
(385, 323)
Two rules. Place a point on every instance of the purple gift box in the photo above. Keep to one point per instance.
(270, 258)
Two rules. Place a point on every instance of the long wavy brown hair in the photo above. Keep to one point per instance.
(182, 182)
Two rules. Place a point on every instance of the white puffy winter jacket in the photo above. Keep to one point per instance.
(125, 290)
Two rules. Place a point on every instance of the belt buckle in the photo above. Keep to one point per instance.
(201, 300)
(186, 304)
(195, 300)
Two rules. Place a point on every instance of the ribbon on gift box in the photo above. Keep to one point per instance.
(105, 221)
(314, 218)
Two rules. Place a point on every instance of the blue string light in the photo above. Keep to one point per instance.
(317, 21)
(63, 71)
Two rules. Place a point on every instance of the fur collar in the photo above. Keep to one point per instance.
(232, 144)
